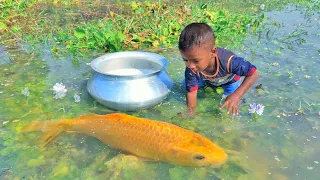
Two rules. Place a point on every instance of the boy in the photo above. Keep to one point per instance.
(205, 63)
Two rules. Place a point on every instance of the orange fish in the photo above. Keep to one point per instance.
(148, 139)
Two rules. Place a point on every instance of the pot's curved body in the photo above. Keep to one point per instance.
(129, 80)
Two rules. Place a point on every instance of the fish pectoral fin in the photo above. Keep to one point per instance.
(176, 150)
(140, 157)
(147, 159)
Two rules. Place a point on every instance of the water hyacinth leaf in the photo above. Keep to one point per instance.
(3, 26)
(155, 43)
(42, 23)
(203, 6)
(91, 41)
(136, 38)
(134, 5)
(120, 36)
(107, 34)
(260, 91)
(99, 38)
(220, 14)
(210, 15)
(219, 90)
(80, 33)
(15, 28)
(174, 27)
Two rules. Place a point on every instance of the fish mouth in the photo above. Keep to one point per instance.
(221, 160)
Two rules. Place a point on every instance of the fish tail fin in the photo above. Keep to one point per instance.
(51, 130)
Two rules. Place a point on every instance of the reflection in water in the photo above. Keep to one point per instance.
(281, 144)
(4, 58)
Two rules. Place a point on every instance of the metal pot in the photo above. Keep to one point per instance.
(129, 80)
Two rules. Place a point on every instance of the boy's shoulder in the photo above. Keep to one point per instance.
(224, 54)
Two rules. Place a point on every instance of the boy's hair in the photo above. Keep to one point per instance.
(196, 34)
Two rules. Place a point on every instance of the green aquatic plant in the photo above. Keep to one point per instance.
(128, 167)
(290, 74)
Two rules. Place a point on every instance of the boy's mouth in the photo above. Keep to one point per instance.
(194, 70)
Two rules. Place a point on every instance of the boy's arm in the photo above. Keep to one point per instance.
(191, 85)
(233, 99)
(240, 67)
(246, 84)
(191, 100)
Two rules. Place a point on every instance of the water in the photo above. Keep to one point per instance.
(283, 143)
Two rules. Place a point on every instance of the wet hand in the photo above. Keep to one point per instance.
(185, 115)
(232, 104)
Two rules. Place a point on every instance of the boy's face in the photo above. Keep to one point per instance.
(198, 58)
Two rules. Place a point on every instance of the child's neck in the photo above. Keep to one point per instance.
(211, 67)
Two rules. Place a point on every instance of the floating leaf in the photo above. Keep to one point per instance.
(260, 91)
(277, 52)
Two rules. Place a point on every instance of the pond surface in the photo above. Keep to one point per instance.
(283, 143)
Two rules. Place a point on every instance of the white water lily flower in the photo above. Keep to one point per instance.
(59, 91)
(76, 98)
(262, 6)
(25, 91)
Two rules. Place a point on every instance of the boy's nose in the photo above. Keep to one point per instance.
(191, 65)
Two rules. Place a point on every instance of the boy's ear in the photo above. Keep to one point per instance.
(214, 51)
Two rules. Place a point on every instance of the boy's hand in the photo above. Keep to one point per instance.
(185, 115)
(232, 103)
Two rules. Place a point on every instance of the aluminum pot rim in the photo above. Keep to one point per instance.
(157, 58)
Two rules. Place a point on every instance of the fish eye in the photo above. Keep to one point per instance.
(199, 157)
